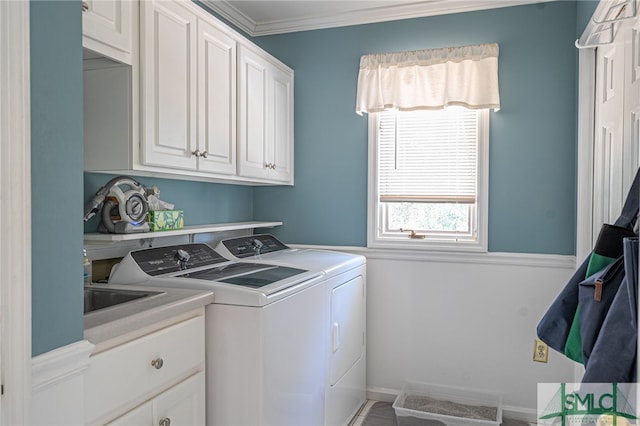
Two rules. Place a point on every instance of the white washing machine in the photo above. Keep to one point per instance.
(266, 338)
(345, 283)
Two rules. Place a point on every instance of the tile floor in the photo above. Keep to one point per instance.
(380, 415)
(384, 415)
(359, 418)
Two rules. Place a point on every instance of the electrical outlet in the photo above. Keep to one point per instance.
(540, 351)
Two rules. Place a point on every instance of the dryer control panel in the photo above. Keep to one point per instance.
(253, 245)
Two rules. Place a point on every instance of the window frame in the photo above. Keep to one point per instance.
(374, 216)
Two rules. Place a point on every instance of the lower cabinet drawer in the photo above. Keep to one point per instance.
(182, 404)
(127, 375)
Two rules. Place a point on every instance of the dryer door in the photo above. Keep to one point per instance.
(347, 327)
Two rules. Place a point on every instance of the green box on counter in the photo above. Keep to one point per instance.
(165, 220)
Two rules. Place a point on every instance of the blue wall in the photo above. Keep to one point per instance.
(533, 139)
(60, 189)
(584, 13)
(532, 143)
(56, 173)
(202, 202)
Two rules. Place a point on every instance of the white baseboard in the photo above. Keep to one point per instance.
(382, 394)
(518, 413)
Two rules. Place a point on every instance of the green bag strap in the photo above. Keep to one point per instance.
(573, 345)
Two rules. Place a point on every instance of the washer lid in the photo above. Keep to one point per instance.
(245, 274)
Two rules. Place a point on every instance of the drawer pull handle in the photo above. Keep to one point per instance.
(165, 422)
(157, 363)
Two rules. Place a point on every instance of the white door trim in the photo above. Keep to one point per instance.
(15, 212)
(586, 117)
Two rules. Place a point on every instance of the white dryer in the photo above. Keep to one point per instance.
(265, 332)
(345, 283)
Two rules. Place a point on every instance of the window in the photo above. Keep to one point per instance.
(428, 179)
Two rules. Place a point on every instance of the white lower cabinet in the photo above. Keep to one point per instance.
(157, 376)
(183, 404)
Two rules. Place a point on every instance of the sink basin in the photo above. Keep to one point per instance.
(101, 298)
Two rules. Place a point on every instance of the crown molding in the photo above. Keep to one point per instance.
(363, 15)
(233, 15)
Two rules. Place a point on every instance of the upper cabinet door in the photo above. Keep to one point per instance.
(281, 122)
(252, 121)
(265, 130)
(108, 26)
(217, 100)
(168, 67)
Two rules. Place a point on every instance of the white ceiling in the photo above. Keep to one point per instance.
(262, 17)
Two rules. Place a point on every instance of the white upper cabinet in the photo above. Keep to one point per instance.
(281, 120)
(169, 83)
(189, 86)
(217, 100)
(108, 27)
(198, 102)
(265, 107)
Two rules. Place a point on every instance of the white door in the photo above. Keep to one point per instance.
(632, 100)
(608, 141)
(168, 66)
(217, 100)
(617, 112)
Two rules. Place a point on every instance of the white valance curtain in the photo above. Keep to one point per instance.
(429, 79)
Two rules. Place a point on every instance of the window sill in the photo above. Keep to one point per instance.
(430, 246)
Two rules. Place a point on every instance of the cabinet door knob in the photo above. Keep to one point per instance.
(196, 153)
(85, 6)
(157, 363)
(204, 154)
(165, 422)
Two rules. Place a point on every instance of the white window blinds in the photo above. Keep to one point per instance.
(428, 156)
(429, 79)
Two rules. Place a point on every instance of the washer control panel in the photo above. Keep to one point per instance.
(163, 260)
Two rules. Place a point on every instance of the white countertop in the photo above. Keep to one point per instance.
(117, 324)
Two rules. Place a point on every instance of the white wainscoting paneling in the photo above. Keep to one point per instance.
(58, 385)
(461, 320)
